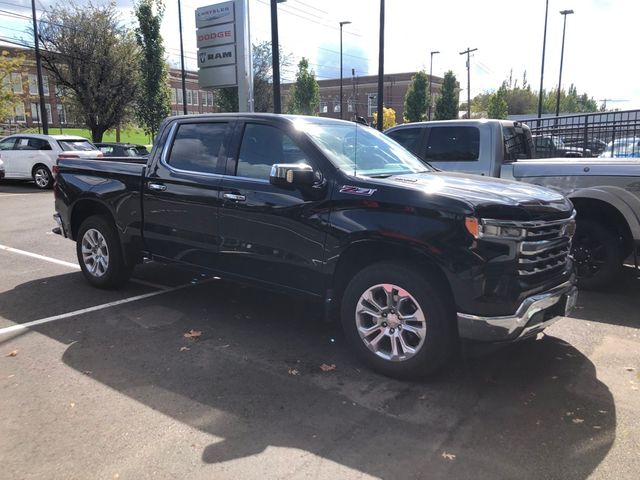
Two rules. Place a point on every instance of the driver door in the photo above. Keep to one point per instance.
(271, 234)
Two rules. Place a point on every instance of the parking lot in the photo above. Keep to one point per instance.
(105, 384)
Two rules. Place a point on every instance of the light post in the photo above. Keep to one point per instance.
(275, 56)
(544, 47)
(36, 41)
(467, 52)
(564, 13)
(341, 25)
(182, 72)
(431, 83)
(381, 70)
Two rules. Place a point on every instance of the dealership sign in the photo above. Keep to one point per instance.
(224, 50)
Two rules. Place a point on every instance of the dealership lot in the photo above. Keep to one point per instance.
(104, 384)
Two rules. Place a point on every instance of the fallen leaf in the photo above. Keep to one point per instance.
(629, 369)
(603, 411)
(193, 334)
(577, 420)
(293, 371)
(72, 404)
(327, 368)
(184, 349)
(448, 456)
(12, 353)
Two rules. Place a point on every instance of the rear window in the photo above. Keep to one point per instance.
(516, 144)
(409, 138)
(76, 145)
(453, 144)
(196, 147)
(142, 150)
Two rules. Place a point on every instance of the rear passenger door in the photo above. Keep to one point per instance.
(272, 234)
(182, 193)
(456, 148)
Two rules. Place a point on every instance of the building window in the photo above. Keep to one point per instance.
(45, 85)
(372, 104)
(19, 110)
(195, 97)
(179, 95)
(62, 114)
(350, 104)
(336, 104)
(33, 85)
(47, 107)
(174, 113)
(189, 97)
(323, 107)
(35, 113)
(173, 96)
(210, 97)
(16, 82)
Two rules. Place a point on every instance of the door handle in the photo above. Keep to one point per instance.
(158, 187)
(234, 197)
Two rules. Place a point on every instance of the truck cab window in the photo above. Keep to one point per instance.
(409, 138)
(453, 144)
(262, 146)
(196, 147)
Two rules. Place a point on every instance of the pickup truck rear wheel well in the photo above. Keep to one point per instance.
(85, 209)
(605, 214)
(364, 254)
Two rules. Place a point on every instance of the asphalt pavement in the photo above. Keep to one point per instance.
(105, 385)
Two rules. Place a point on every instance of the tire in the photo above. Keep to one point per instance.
(598, 254)
(100, 254)
(433, 345)
(42, 177)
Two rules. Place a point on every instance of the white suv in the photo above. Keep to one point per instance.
(32, 156)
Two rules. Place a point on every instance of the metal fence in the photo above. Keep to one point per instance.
(606, 134)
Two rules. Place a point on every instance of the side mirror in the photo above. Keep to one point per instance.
(291, 175)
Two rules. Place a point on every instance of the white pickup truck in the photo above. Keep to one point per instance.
(604, 191)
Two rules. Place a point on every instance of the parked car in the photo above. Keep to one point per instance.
(32, 156)
(122, 150)
(626, 147)
(409, 258)
(551, 147)
(605, 193)
(594, 145)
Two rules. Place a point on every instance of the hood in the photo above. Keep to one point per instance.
(491, 197)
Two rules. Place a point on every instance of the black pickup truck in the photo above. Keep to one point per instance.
(408, 257)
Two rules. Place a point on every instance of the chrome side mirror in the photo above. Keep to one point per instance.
(291, 175)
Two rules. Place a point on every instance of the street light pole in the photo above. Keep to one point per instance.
(183, 75)
(564, 13)
(36, 41)
(467, 52)
(341, 25)
(379, 126)
(544, 47)
(431, 83)
(275, 56)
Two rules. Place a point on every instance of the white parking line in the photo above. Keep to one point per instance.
(62, 316)
(72, 265)
(13, 194)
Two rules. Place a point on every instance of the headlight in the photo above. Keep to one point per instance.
(480, 229)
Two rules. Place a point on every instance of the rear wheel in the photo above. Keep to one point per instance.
(598, 254)
(100, 255)
(42, 177)
(397, 321)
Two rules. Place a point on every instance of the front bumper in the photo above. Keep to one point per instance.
(534, 315)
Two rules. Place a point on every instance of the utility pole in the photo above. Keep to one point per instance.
(36, 41)
(353, 92)
(467, 52)
(431, 83)
(183, 74)
(544, 47)
(341, 102)
(275, 56)
(564, 13)
(381, 68)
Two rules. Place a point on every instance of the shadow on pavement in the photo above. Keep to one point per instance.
(252, 379)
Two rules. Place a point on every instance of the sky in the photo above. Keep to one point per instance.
(599, 44)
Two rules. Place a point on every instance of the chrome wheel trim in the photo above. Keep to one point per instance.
(95, 253)
(41, 177)
(390, 322)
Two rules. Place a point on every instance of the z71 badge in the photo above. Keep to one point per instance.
(367, 192)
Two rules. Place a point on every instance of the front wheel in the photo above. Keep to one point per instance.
(100, 255)
(598, 255)
(397, 321)
(42, 177)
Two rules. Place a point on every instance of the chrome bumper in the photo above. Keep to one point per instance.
(534, 315)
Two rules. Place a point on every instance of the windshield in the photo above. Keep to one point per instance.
(75, 145)
(360, 150)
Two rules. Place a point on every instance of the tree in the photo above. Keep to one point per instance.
(416, 100)
(8, 99)
(304, 96)
(154, 99)
(388, 118)
(95, 59)
(498, 107)
(448, 100)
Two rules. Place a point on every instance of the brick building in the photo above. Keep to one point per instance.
(25, 84)
(360, 95)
